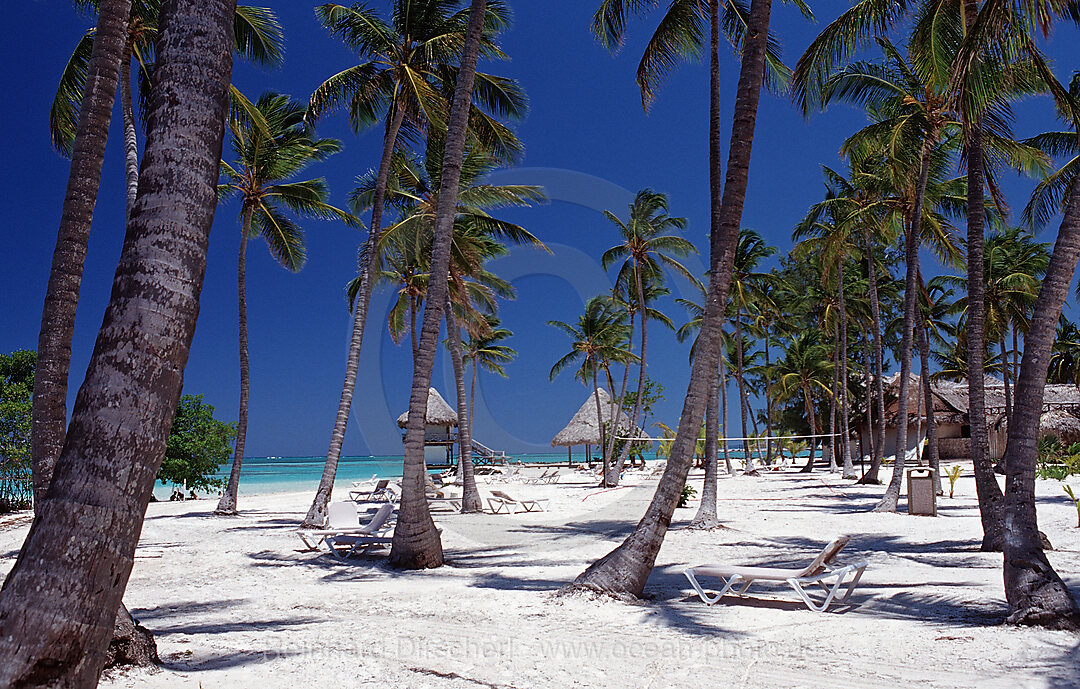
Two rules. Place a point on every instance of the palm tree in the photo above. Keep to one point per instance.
(1065, 357)
(477, 237)
(746, 284)
(265, 159)
(598, 339)
(91, 125)
(1034, 591)
(625, 569)
(407, 71)
(416, 542)
(486, 352)
(257, 37)
(104, 478)
(646, 247)
(807, 370)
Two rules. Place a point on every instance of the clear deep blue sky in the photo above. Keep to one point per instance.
(588, 141)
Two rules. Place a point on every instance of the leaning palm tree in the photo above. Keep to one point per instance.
(477, 236)
(416, 543)
(599, 339)
(88, 81)
(407, 71)
(104, 478)
(646, 247)
(626, 568)
(266, 158)
(90, 125)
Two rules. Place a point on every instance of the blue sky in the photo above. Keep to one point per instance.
(588, 142)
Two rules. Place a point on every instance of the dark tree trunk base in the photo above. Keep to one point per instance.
(869, 481)
(132, 643)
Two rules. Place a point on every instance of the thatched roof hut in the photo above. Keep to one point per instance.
(439, 413)
(582, 429)
(1060, 423)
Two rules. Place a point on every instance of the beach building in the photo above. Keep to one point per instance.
(440, 431)
(584, 429)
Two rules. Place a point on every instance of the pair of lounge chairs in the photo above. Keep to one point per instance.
(343, 533)
(501, 503)
(551, 476)
(819, 572)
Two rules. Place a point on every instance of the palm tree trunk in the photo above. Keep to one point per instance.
(131, 146)
(768, 403)
(986, 485)
(877, 447)
(845, 407)
(416, 542)
(871, 433)
(932, 454)
(641, 374)
(316, 515)
(706, 517)
(723, 416)
(472, 395)
(1006, 375)
(414, 307)
(739, 373)
(911, 258)
(625, 569)
(49, 406)
(611, 474)
(470, 496)
(813, 428)
(60, 600)
(832, 398)
(227, 504)
(1034, 591)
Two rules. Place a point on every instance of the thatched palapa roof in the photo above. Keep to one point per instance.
(439, 413)
(1060, 423)
(582, 429)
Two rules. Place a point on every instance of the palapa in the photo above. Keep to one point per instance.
(439, 413)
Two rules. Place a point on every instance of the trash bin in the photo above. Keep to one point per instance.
(922, 492)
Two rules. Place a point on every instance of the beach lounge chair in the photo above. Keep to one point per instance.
(542, 478)
(341, 519)
(501, 503)
(359, 493)
(820, 571)
(553, 477)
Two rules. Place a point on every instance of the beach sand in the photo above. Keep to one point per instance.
(234, 602)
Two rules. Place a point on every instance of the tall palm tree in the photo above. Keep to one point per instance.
(266, 158)
(805, 370)
(1034, 591)
(104, 478)
(485, 352)
(416, 543)
(257, 37)
(646, 247)
(625, 569)
(746, 284)
(477, 236)
(91, 129)
(408, 69)
(598, 339)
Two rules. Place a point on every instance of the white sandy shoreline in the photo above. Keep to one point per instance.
(234, 603)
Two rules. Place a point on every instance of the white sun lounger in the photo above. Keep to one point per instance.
(542, 478)
(819, 572)
(341, 518)
(500, 503)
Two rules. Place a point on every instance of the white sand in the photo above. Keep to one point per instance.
(233, 603)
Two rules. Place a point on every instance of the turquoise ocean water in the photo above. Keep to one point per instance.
(261, 475)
